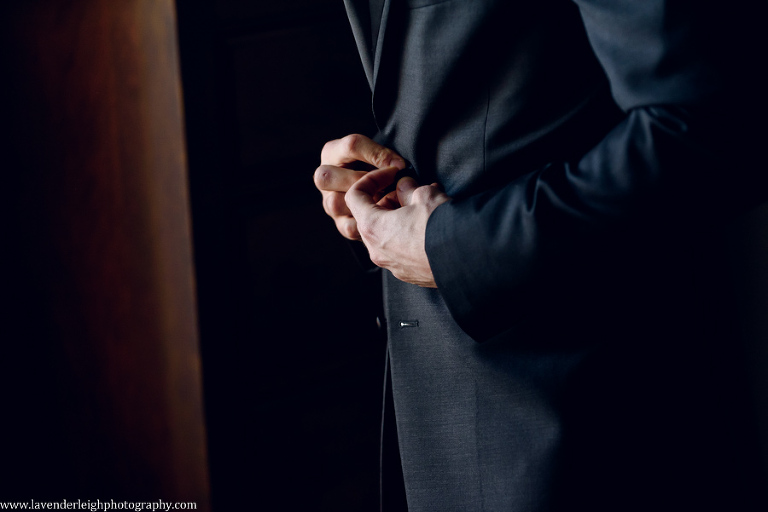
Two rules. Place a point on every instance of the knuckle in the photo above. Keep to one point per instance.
(421, 194)
(336, 204)
(327, 150)
(351, 142)
(376, 258)
(328, 204)
(380, 156)
(368, 231)
(348, 228)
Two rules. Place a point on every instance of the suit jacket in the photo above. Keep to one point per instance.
(578, 353)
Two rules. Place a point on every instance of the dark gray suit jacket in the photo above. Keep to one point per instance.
(578, 354)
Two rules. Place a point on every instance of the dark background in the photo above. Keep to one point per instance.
(99, 364)
(292, 358)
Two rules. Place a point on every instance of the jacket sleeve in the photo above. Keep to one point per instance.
(682, 71)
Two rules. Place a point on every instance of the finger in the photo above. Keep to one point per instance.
(347, 226)
(334, 204)
(358, 147)
(361, 194)
(389, 201)
(336, 179)
(405, 188)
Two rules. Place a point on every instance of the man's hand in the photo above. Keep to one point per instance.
(335, 176)
(394, 231)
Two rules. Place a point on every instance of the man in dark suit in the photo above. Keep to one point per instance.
(558, 334)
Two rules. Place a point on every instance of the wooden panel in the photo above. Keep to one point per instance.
(103, 233)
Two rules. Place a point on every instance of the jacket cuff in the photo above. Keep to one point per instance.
(464, 271)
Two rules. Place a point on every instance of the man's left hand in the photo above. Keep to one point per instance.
(395, 233)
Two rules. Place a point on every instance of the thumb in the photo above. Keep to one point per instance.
(405, 188)
(361, 194)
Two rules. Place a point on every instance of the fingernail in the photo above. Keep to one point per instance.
(395, 162)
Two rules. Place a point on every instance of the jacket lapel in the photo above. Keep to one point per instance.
(359, 16)
(380, 41)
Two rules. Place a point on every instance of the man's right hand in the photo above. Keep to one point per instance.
(336, 175)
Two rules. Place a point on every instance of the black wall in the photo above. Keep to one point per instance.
(292, 356)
